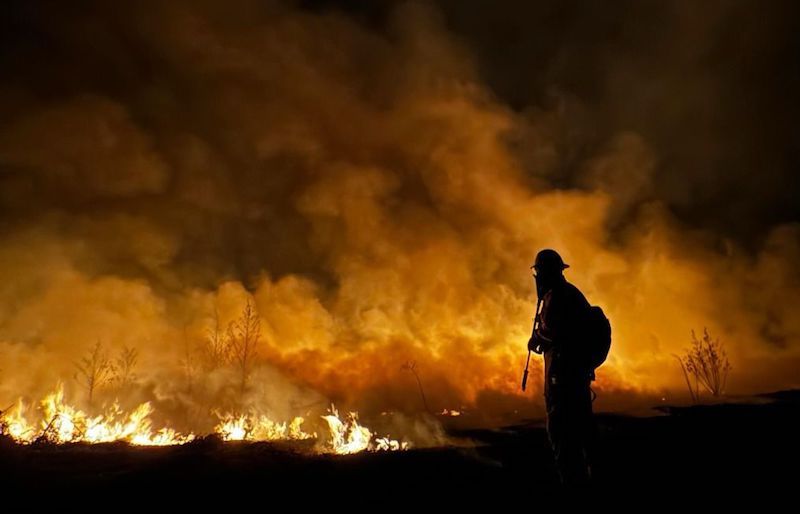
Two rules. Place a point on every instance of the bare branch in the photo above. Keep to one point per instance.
(94, 370)
(411, 367)
(244, 335)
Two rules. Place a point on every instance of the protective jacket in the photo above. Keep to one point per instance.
(562, 318)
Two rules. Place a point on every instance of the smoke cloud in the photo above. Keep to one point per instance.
(377, 191)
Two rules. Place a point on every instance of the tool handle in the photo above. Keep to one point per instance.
(527, 363)
(525, 373)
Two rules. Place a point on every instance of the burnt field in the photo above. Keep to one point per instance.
(722, 450)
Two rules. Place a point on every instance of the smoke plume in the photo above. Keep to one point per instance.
(372, 185)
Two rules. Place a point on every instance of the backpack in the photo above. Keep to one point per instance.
(597, 337)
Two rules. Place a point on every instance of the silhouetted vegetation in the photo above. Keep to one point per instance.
(235, 346)
(411, 367)
(705, 365)
(245, 334)
(217, 349)
(95, 369)
(124, 366)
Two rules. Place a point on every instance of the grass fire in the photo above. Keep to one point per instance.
(61, 423)
(365, 244)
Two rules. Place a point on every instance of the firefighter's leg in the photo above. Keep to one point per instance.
(556, 421)
(567, 429)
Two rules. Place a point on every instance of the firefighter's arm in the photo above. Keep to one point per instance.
(550, 327)
(538, 343)
(542, 337)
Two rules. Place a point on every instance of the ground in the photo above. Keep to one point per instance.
(713, 450)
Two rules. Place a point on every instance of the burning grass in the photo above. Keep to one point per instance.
(57, 422)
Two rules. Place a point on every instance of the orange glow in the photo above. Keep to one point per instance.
(61, 423)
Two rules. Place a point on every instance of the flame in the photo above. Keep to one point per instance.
(348, 436)
(14, 423)
(62, 423)
(233, 429)
(260, 428)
